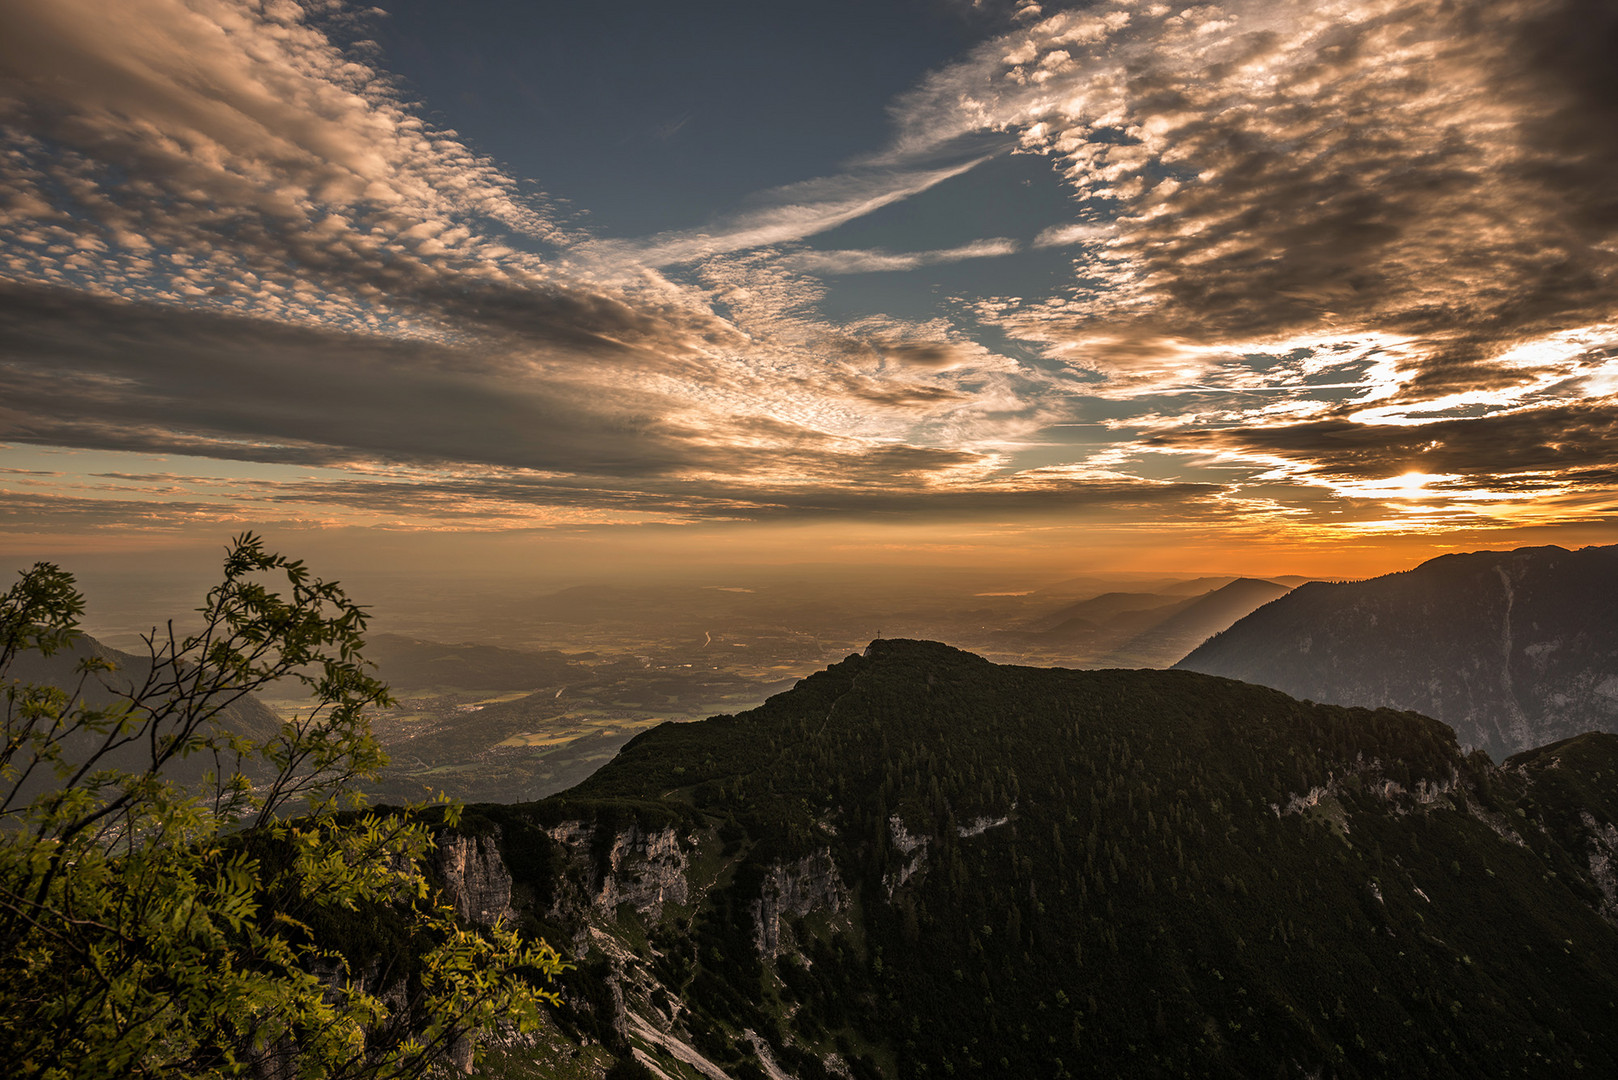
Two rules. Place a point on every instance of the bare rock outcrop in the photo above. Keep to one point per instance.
(476, 881)
(914, 850)
(643, 868)
(812, 883)
(1603, 855)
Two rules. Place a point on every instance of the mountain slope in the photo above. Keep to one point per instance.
(1085, 634)
(1131, 629)
(1110, 606)
(1512, 649)
(247, 716)
(1163, 643)
(917, 864)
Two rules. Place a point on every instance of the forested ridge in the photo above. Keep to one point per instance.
(1054, 872)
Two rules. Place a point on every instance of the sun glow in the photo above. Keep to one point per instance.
(1410, 485)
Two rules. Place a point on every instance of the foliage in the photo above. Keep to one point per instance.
(173, 893)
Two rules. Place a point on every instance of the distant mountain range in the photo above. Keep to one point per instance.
(1511, 649)
(246, 715)
(918, 864)
(1171, 586)
(1190, 624)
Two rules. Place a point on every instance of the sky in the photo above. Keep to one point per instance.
(1288, 286)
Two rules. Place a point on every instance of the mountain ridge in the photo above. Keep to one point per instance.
(918, 863)
(1190, 625)
(1512, 649)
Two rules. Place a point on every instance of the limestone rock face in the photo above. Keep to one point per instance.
(476, 880)
(643, 868)
(648, 869)
(797, 888)
(912, 848)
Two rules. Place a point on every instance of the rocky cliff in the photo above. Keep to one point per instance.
(799, 888)
(642, 867)
(621, 898)
(476, 881)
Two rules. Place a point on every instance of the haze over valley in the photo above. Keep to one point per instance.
(510, 693)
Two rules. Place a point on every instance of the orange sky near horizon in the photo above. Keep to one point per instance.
(1011, 556)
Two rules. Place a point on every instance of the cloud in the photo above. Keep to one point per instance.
(875, 482)
(1278, 168)
(87, 371)
(1312, 244)
(930, 355)
(227, 237)
(416, 428)
(1079, 233)
(878, 378)
(1576, 439)
(424, 501)
(786, 215)
(873, 260)
(892, 393)
(217, 154)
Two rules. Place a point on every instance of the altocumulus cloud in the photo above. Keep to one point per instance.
(225, 236)
(1366, 216)
(1311, 242)
(1270, 169)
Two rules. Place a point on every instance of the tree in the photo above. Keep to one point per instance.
(180, 899)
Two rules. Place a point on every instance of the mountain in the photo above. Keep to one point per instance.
(1512, 649)
(1083, 587)
(1111, 606)
(245, 716)
(1166, 641)
(1291, 581)
(1197, 586)
(1132, 629)
(1082, 633)
(917, 864)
